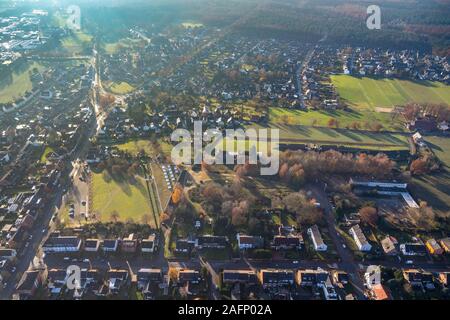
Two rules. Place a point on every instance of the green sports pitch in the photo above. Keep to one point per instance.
(386, 93)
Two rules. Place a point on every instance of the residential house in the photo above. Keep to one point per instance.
(329, 292)
(184, 246)
(110, 245)
(360, 238)
(311, 277)
(292, 241)
(443, 278)
(62, 244)
(416, 277)
(149, 245)
(249, 242)
(209, 241)
(146, 276)
(239, 276)
(117, 279)
(188, 276)
(378, 292)
(129, 244)
(340, 277)
(276, 277)
(29, 283)
(445, 244)
(389, 245)
(413, 249)
(8, 254)
(316, 238)
(433, 247)
(91, 245)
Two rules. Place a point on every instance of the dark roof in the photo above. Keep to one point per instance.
(62, 242)
(286, 241)
(245, 239)
(416, 248)
(184, 244)
(6, 252)
(149, 274)
(186, 275)
(220, 240)
(28, 281)
(119, 274)
(248, 276)
(313, 275)
(110, 243)
(277, 276)
(91, 243)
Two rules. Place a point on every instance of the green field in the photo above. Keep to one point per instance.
(441, 148)
(120, 87)
(18, 84)
(296, 134)
(46, 152)
(188, 24)
(433, 189)
(320, 118)
(135, 146)
(76, 43)
(114, 47)
(372, 93)
(130, 200)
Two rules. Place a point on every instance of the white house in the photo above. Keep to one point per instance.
(360, 238)
(316, 238)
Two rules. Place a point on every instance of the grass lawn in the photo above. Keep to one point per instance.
(296, 134)
(47, 151)
(135, 146)
(127, 43)
(371, 93)
(120, 87)
(320, 118)
(434, 189)
(75, 42)
(130, 200)
(15, 87)
(441, 148)
(188, 24)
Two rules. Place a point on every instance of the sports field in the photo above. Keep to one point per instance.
(375, 93)
(130, 200)
(382, 141)
(135, 146)
(15, 86)
(440, 147)
(120, 87)
(363, 119)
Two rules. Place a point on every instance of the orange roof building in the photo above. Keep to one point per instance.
(379, 293)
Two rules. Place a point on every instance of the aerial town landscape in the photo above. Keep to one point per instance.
(94, 206)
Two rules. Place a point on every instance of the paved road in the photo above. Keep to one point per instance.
(348, 263)
(42, 223)
(30, 252)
